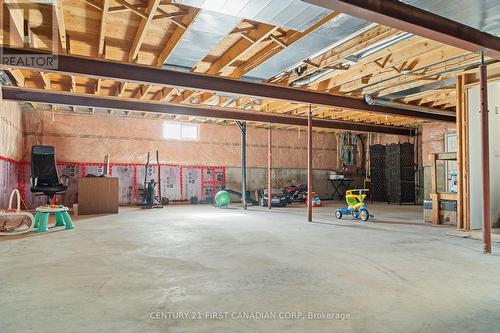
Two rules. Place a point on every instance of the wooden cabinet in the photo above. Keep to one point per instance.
(98, 195)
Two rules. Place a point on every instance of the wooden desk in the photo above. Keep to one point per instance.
(98, 195)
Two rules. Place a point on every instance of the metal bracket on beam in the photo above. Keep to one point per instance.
(242, 125)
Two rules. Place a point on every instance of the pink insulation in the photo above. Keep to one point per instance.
(91, 137)
(11, 131)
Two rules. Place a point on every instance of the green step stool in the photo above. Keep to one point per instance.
(42, 217)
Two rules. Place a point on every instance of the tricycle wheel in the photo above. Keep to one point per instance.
(338, 214)
(364, 215)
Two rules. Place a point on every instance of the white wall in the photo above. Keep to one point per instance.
(475, 161)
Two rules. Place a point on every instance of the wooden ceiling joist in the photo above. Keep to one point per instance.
(405, 17)
(130, 31)
(408, 49)
(102, 33)
(73, 84)
(92, 102)
(262, 32)
(141, 31)
(18, 76)
(120, 89)
(160, 77)
(176, 36)
(46, 80)
(17, 26)
(61, 26)
(267, 52)
(133, 8)
(94, 4)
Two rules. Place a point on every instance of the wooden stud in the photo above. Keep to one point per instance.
(142, 91)
(120, 89)
(141, 31)
(73, 84)
(170, 15)
(176, 36)
(102, 33)
(46, 80)
(133, 8)
(93, 4)
(241, 47)
(60, 23)
(97, 89)
(18, 76)
(278, 41)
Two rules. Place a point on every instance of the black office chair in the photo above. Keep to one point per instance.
(44, 177)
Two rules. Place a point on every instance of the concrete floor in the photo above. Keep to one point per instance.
(134, 272)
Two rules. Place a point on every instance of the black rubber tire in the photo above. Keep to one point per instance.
(338, 214)
(364, 215)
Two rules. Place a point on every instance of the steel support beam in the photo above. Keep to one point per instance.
(309, 165)
(114, 103)
(485, 144)
(397, 14)
(71, 65)
(269, 168)
(243, 128)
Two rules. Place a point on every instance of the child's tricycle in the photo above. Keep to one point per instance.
(356, 206)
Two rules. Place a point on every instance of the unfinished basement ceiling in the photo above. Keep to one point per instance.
(207, 30)
(480, 14)
(218, 17)
(348, 59)
(293, 14)
(338, 29)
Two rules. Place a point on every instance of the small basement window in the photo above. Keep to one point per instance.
(180, 131)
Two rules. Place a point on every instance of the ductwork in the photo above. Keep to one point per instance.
(305, 81)
(382, 102)
(452, 69)
(5, 79)
(441, 84)
(372, 49)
